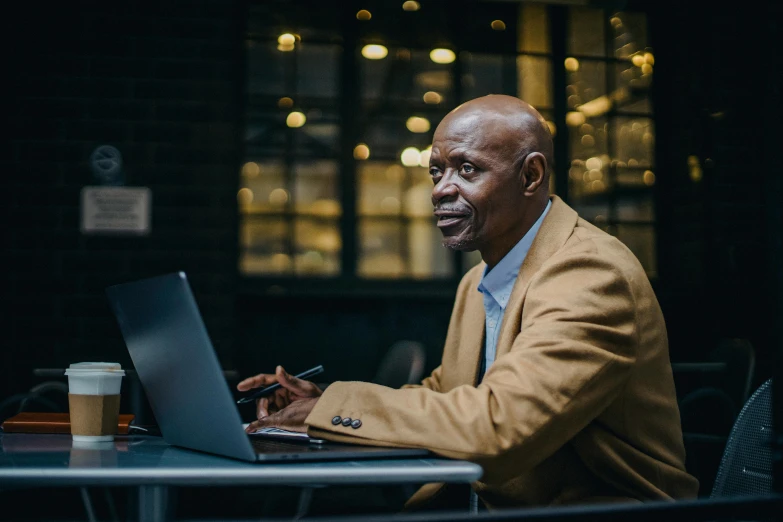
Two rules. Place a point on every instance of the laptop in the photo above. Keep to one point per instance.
(179, 370)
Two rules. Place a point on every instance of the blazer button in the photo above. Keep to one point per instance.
(356, 424)
(347, 422)
(336, 420)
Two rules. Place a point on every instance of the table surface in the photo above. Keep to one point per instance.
(55, 460)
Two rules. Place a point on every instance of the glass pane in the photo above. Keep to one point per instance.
(320, 134)
(428, 257)
(417, 197)
(588, 140)
(388, 135)
(589, 178)
(586, 32)
(632, 85)
(262, 188)
(534, 33)
(379, 188)
(264, 248)
(586, 87)
(630, 33)
(405, 75)
(317, 247)
(483, 75)
(636, 209)
(380, 249)
(318, 67)
(316, 190)
(641, 241)
(634, 177)
(266, 68)
(534, 80)
(634, 141)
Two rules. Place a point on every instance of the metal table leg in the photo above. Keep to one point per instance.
(153, 503)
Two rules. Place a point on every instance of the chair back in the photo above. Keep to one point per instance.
(746, 466)
(402, 364)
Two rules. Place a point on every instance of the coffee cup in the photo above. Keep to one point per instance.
(94, 400)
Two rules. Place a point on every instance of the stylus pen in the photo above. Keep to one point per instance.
(264, 391)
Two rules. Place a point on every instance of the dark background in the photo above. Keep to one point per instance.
(163, 82)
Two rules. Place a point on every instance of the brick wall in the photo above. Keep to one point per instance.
(161, 83)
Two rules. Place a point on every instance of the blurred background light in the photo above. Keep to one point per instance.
(285, 102)
(374, 51)
(442, 56)
(418, 124)
(363, 15)
(245, 196)
(432, 97)
(498, 25)
(278, 196)
(410, 157)
(424, 157)
(295, 119)
(571, 64)
(251, 169)
(361, 152)
(410, 5)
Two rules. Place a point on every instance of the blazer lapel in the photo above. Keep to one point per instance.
(471, 336)
(557, 227)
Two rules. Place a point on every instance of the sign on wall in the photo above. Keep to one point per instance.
(112, 208)
(116, 210)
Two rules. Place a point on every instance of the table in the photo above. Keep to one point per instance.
(151, 465)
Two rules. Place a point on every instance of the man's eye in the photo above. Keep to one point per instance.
(434, 172)
(468, 169)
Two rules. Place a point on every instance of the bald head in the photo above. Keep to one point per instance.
(521, 124)
(491, 160)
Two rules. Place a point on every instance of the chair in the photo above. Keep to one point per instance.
(746, 466)
(402, 364)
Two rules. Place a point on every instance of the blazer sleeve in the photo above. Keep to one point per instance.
(432, 382)
(574, 353)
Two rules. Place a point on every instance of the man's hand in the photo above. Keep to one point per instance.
(292, 390)
(290, 418)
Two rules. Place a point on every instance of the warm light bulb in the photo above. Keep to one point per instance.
(418, 124)
(286, 39)
(410, 5)
(285, 102)
(571, 64)
(442, 56)
(432, 97)
(575, 118)
(637, 60)
(361, 152)
(363, 15)
(410, 157)
(295, 119)
(374, 52)
(250, 169)
(498, 25)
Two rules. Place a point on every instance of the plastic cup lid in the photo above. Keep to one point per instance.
(94, 367)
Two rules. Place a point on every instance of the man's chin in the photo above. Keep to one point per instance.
(460, 243)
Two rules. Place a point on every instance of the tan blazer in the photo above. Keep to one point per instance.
(579, 404)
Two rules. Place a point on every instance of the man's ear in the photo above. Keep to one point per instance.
(533, 172)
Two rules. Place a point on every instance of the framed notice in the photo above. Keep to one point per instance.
(116, 210)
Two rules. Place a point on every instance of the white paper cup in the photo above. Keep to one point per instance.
(94, 400)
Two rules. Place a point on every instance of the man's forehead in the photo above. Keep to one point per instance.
(478, 130)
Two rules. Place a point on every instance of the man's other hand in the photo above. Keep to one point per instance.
(292, 390)
(290, 418)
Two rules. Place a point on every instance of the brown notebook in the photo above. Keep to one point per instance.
(31, 422)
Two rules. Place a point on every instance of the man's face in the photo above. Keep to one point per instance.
(478, 191)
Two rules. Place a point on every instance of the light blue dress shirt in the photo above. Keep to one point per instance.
(496, 285)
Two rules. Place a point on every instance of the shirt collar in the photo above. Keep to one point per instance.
(500, 280)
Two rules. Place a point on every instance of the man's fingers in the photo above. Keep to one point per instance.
(258, 381)
(295, 385)
(262, 408)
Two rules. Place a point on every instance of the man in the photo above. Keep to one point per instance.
(555, 375)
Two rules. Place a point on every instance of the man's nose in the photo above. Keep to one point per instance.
(444, 188)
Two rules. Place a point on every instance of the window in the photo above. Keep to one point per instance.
(341, 111)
